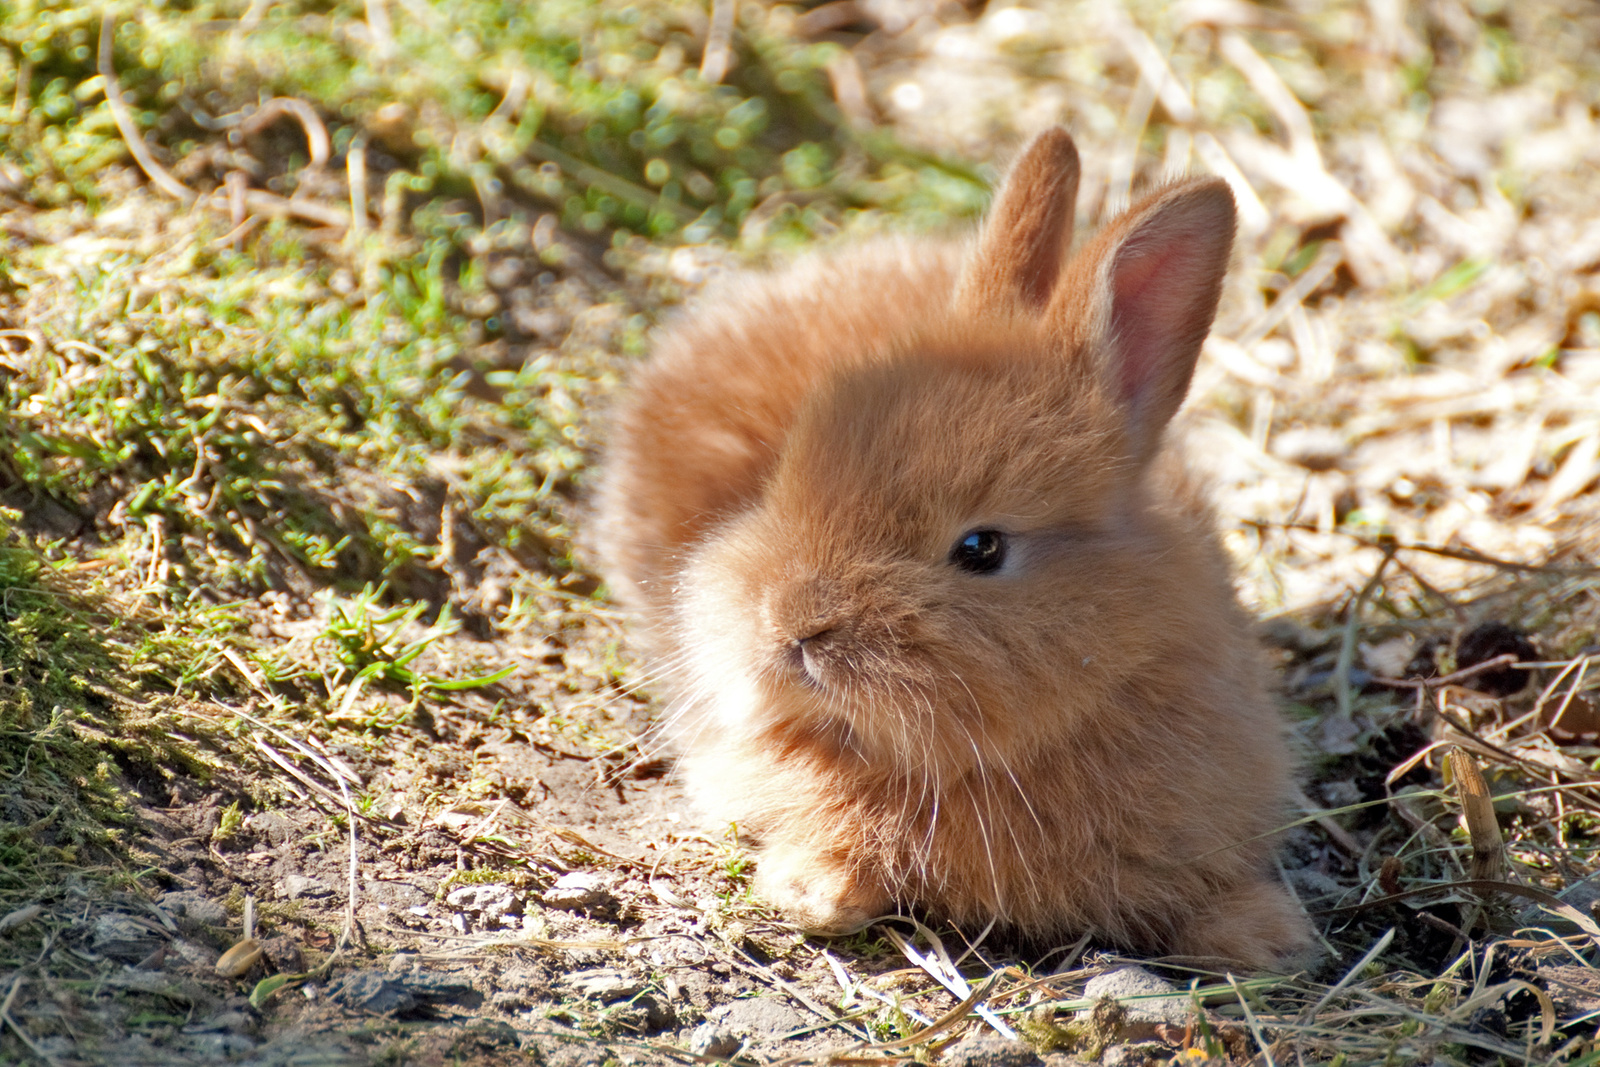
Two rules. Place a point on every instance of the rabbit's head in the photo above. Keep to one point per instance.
(962, 548)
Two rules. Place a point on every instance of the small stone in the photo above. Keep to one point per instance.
(577, 891)
(122, 937)
(509, 1002)
(1158, 1001)
(604, 984)
(1131, 1004)
(372, 991)
(478, 897)
(403, 962)
(985, 1048)
(659, 1014)
(435, 988)
(709, 1040)
(190, 909)
(295, 886)
(486, 905)
(284, 954)
(761, 1018)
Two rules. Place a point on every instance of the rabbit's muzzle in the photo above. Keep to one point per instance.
(833, 639)
(811, 623)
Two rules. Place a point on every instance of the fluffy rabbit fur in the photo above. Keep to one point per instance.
(944, 623)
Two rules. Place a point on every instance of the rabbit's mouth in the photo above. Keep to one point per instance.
(813, 658)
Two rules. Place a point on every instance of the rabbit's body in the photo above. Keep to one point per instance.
(946, 624)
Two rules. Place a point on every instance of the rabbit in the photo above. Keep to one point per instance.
(945, 624)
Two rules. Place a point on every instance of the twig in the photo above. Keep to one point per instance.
(850, 89)
(853, 989)
(945, 1021)
(604, 180)
(266, 203)
(1582, 663)
(304, 113)
(379, 27)
(480, 945)
(1481, 886)
(16, 984)
(255, 199)
(1467, 555)
(19, 99)
(1328, 259)
(356, 167)
(158, 174)
(714, 61)
(1503, 660)
(1347, 647)
(351, 927)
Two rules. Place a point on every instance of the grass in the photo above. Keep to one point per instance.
(311, 459)
(220, 395)
(69, 735)
(360, 409)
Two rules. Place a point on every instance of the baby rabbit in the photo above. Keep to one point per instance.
(944, 622)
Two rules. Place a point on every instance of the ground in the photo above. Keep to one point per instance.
(320, 741)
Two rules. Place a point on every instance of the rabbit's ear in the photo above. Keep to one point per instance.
(1140, 299)
(1024, 241)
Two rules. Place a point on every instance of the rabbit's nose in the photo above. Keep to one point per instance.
(809, 613)
(819, 637)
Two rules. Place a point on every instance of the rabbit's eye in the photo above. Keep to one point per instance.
(981, 551)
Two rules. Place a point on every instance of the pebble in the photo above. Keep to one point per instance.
(122, 937)
(296, 886)
(487, 905)
(192, 909)
(577, 891)
(604, 984)
(984, 1048)
(1159, 1000)
(709, 1040)
(1146, 1003)
(284, 954)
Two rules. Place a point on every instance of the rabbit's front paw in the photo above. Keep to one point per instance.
(819, 895)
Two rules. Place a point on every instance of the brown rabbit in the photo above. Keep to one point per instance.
(945, 624)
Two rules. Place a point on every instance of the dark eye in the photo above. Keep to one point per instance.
(981, 551)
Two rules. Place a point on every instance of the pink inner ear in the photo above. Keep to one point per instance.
(1165, 282)
(1148, 318)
